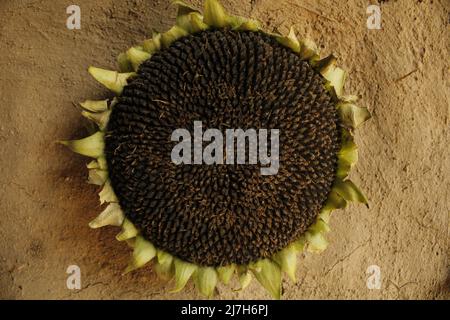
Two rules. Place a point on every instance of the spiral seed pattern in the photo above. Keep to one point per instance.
(215, 215)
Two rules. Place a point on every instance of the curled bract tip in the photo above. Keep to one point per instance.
(300, 244)
(205, 279)
(347, 155)
(143, 252)
(154, 44)
(107, 193)
(244, 277)
(91, 146)
(319, 226)
(351, 115)
(215, 15)
(175, 33)
(99, 118)
(336, 78)
(99, 163)
(268, 274)
(112, 80)
(243, 24)
(183, 271)
(316, 242)
(334, 201)
(349, 191)
(183, 7)
(196, 23)
(326, 64)
(287, 260)
(290, 41)
(137, 56)
(111, 216)
(129, 231)
(124, 63)
(189, 18)
(308, 49)
(164, 266)
(225, 273)
(97, 176)
(95, 106)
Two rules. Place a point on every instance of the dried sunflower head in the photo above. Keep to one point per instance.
(211, 221)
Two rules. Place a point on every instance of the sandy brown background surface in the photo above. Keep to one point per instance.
(401, 72)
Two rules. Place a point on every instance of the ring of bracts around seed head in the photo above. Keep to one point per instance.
(267, 271)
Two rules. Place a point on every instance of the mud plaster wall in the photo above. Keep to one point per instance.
(401, 72)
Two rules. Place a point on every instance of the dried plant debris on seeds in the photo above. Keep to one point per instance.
(210, 222)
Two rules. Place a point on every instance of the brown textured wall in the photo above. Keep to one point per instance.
(401, 72)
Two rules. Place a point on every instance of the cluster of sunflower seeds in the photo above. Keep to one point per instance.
(216, 215)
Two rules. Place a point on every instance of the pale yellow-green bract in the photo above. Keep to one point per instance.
(266, 271)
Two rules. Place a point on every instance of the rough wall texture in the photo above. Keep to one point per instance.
(401, 72)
